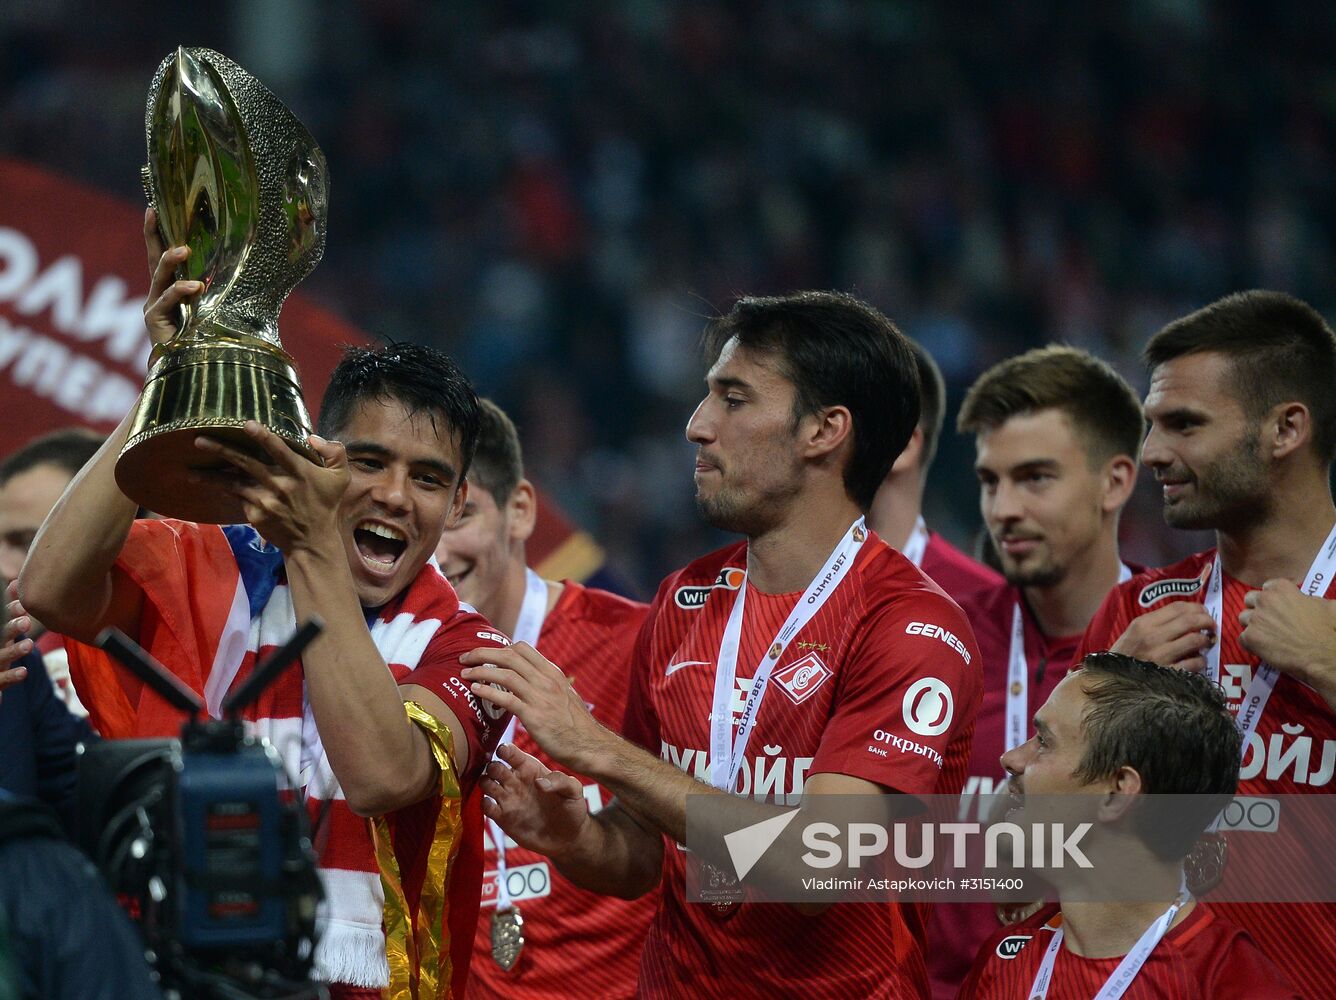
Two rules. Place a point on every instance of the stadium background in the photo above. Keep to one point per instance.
(560, 194)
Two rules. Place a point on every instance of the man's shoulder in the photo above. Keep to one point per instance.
(588, 606)
(431, 598)
(1185, 579)
(688, 588)
(893, 586)
(955, 571)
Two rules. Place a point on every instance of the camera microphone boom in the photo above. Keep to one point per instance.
(200, 833)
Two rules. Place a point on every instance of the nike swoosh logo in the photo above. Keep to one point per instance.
(675, 667)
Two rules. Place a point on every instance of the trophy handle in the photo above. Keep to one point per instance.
(202, 181)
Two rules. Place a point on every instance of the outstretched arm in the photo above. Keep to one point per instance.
(382, 761)
(653, 795)
(609, 852)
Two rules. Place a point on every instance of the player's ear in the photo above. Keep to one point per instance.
(1120, 479)
(1120, 793)
(826, 430)
(912, 456)
(522, 511)
(1286, 429)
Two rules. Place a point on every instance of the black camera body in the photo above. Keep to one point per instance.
(206, 841)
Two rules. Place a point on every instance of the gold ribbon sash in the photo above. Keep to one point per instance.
(417, 939)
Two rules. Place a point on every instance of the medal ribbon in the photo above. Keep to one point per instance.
(1018, 674)
(917, 543)
(725, 761)
(1127, 970)
(1264, 678)
(527, 628)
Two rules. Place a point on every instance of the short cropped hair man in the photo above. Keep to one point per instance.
(574, 940)
(1056, 434)
(1121, 729)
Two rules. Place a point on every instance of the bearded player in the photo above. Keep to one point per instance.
(812, 656)
(566, 934)
(1242, 434)
(375, 722)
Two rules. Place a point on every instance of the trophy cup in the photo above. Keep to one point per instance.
(236, 177)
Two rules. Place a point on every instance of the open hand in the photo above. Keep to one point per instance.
(520, 680)
(291, 501)
(541, 809)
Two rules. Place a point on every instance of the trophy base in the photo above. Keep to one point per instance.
(207, 388)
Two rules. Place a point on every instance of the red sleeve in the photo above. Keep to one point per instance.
(639, 723)
(439, 672)
(971, 988)
(188, 579)
(910, 685)
(1243, 972)
(1106, 627)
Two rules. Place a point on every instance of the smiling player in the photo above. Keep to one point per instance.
(375, 722)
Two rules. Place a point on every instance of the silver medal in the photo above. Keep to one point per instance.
(507, 937)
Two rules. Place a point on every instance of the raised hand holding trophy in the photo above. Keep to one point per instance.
(237, 178)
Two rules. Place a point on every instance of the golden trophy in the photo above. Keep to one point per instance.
(236, 177)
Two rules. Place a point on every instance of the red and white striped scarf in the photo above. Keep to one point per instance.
(201, 621)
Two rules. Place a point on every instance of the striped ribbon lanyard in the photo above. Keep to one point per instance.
(1018, 674)
(726, 755)
(1127, 970)
(527, 628)
(1264, 678)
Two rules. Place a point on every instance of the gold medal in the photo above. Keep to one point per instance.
(507, 937)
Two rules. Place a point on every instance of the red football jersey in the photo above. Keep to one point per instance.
(1204, 957)
(575, 941)
(850, 695)
(956, 930)
(1292, 751)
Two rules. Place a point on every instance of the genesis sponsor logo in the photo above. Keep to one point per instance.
(1161, 589)
(931, 631)
(694, 598)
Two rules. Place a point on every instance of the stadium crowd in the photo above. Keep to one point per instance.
(558, 196)
(634, 198)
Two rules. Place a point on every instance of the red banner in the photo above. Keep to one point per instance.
(73, 349)
(72, 280)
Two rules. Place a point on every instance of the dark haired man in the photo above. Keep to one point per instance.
(376, 722)
(1242, 434)
(31, 481)
(798, 663)
(571, 936)
(1122, 729)
(1056, 436)
(897, 512)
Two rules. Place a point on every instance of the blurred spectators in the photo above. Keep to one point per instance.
(559, 194)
